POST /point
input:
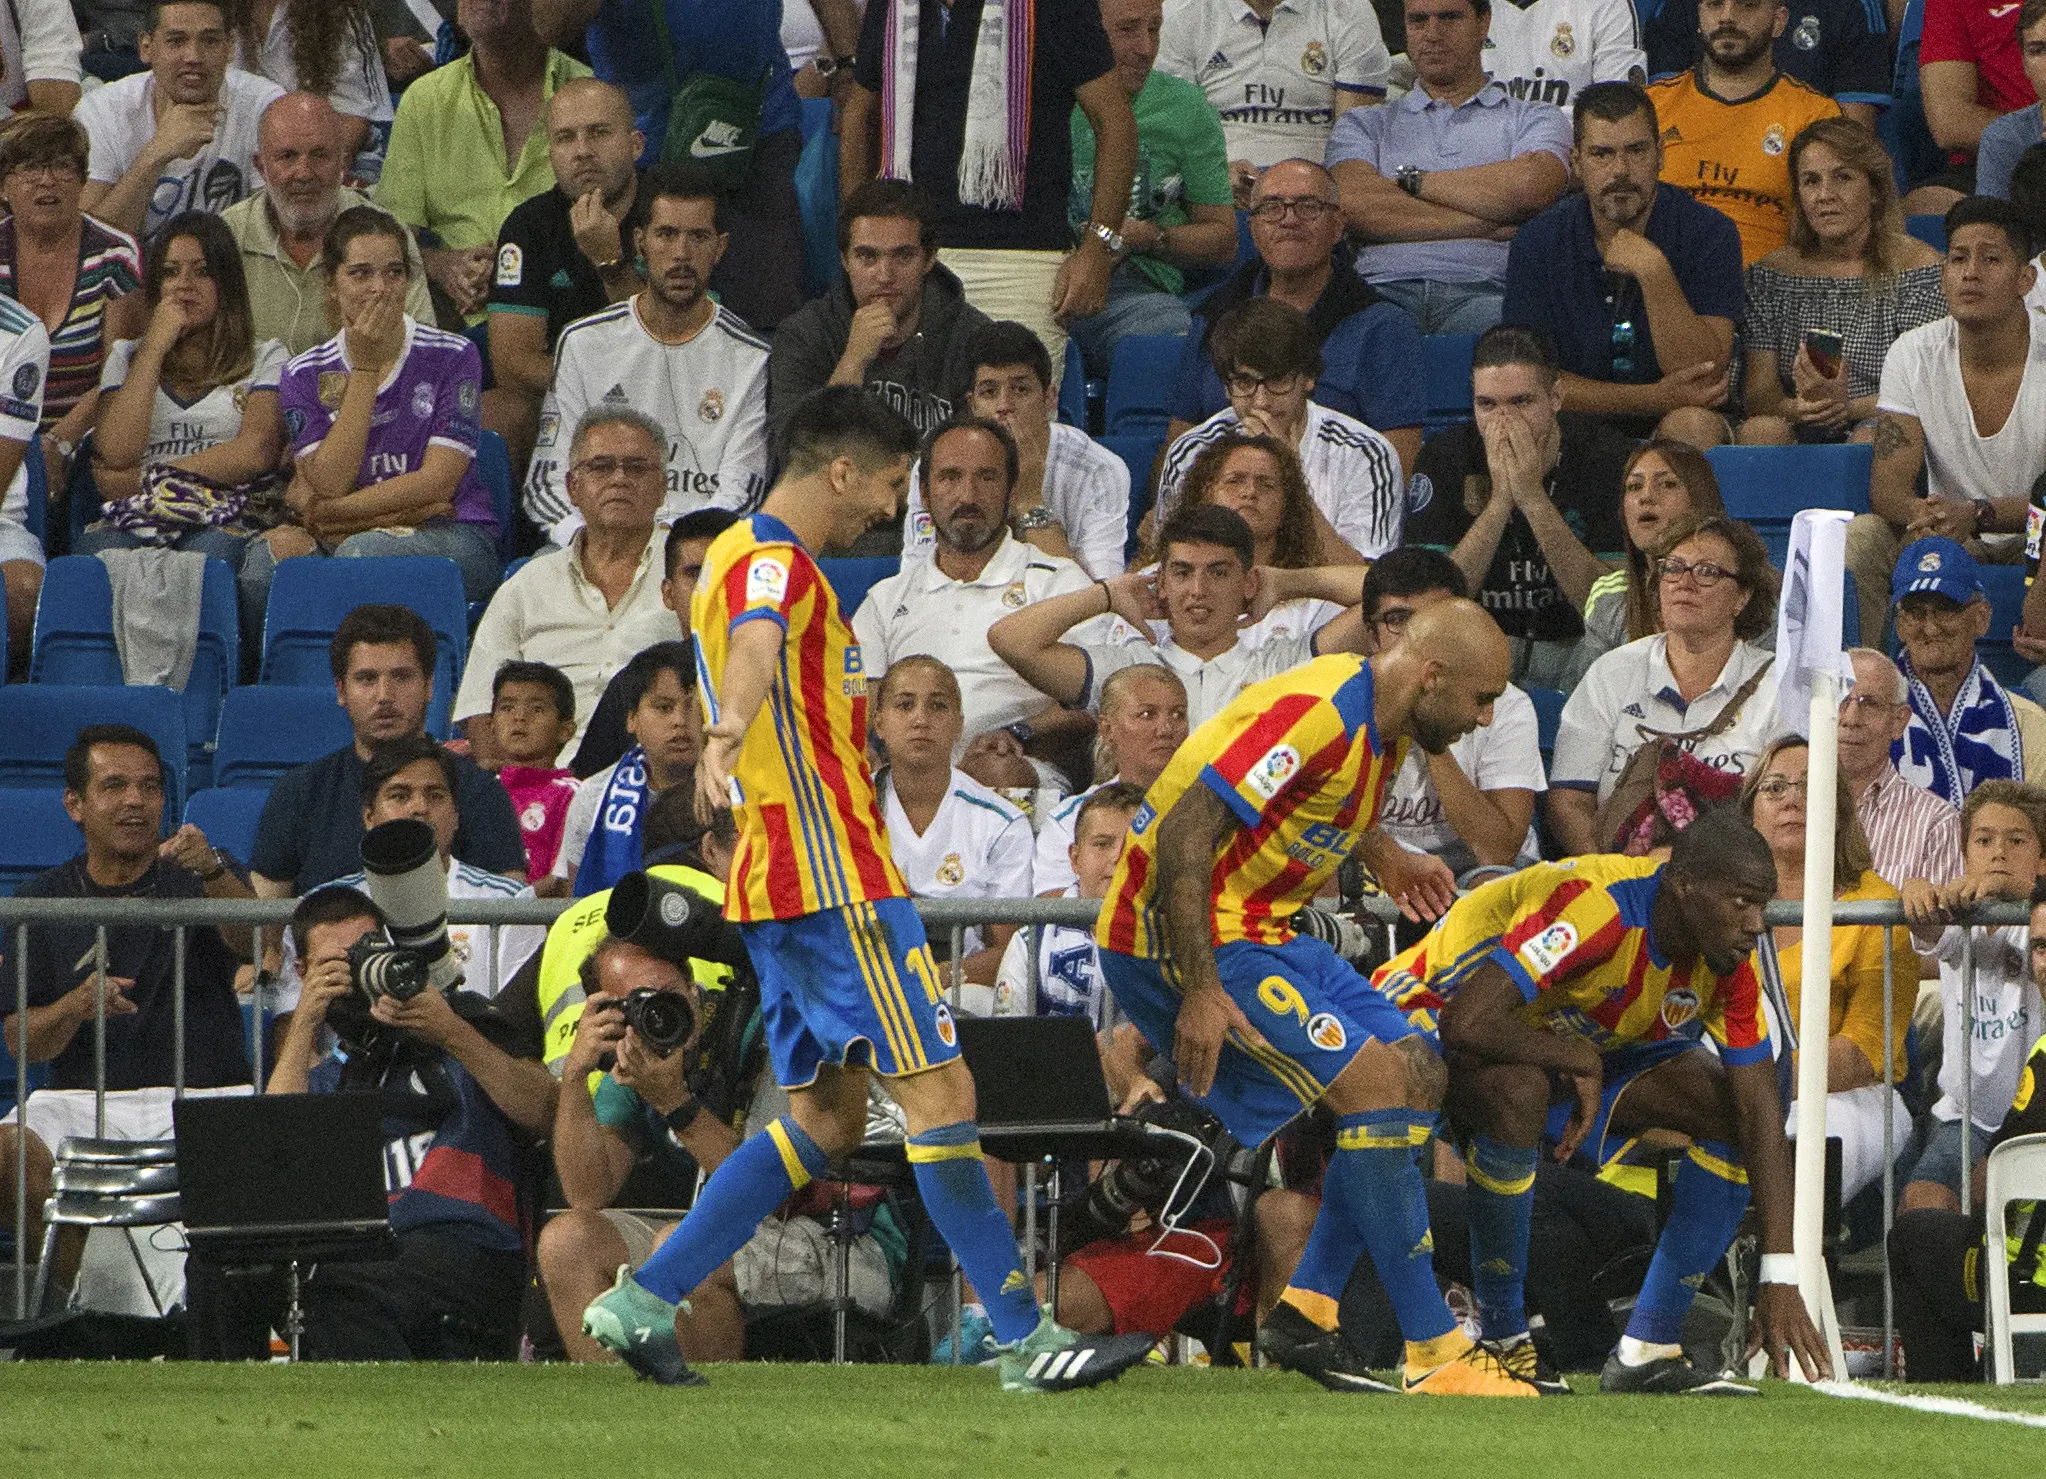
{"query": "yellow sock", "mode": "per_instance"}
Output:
(1318, 1307)
(1426, 1355)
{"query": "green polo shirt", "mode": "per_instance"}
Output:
(287, 301)
(1181, 161)
(444, 171)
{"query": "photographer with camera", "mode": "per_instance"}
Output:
(460, 1118)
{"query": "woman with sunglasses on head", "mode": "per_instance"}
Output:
(1701, 681)
(1774, 798)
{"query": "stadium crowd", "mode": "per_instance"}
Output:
(538, 294)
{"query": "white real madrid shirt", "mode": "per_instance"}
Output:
(1069, 979)
(978, 846)
(1353, 475)
(180, 430)
(1274, 83)
(1210, 682)
(1086, 488)
(922, 610)
(1504, 755)
(24, 366)
(1548, 51)
(709, 393)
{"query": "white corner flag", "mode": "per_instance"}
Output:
(1812, 675)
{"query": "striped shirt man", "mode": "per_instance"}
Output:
(810, 830)
(1353, 475)
(1911, 832)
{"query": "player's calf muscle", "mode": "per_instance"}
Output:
(1384, 1076)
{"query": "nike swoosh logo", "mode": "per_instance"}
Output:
(696, 146)
(1998, 12)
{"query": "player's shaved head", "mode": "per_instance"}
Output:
(1447, 671)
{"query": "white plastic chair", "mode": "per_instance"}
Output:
(2016, 1172)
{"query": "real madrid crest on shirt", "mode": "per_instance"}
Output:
(711, 407)
(333, 385)
(1773, 142)
(1806, 36)
(952, 870)
(422, 398)
(1314, 60)
(1563, 42)
(1015, 597)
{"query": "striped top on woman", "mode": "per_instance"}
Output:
(109, 267)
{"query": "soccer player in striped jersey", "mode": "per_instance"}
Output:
(1255, 812)
(847, 984)
(1598, 975)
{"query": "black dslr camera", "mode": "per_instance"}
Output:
(662, 1020)
(379, 968)
(1166, 1180)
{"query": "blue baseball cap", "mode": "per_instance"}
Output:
(1939, 567)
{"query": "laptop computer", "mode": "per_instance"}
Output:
(275, 1177)
(1039, 1089)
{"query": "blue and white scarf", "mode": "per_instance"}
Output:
(613, 849)
(1950, 754)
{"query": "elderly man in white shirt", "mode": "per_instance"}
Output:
(1072, 496)
(1206, 584)
(588, 608)
(943, 606)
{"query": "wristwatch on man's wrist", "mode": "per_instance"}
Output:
(1985, 513)
(1408, 178)
(1039, 517)
(1108, 236)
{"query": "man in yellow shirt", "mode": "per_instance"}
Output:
(1727, 124)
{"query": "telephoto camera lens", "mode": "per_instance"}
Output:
(382, 969)
(661, 1019)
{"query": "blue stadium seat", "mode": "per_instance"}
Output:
(1139, 379)
(1446, 379)
(2005, 586)
(1073, 388)
(817, 197)
(851, 578)
(1932, 230)
(1548, 707)
(35, 833)
(309, 598)
(228, 817)
(493, 465)
(40, 720)
(266, 729)
(1766, 486)
(1138, 450)
(74, 643)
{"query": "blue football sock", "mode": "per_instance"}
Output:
(956, 1192)
(753, 1180)
(1333, 1247)
(1501, 1199)
(1710, 1194)
(1373, 1178)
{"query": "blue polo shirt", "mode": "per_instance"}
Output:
(1369, 348)
(1840, 47)
(726, 37)
(1488, 128)
(1557, 282)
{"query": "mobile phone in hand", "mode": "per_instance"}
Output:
(1825, 348)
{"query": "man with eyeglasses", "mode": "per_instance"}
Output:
(1437, 183)
(1522, 498)
(1965, 726)
(671, 352)
(1638, 285)
(1369, 345)
(588, 608)
(1911, 832)
(897, 323)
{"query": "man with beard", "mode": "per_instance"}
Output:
(301, 159)
(1247, 824)
(977, 573)
(1730, 120)
(1637, 284)
(670, 352)
(181, 136)
(562, 255)
(1570, 999)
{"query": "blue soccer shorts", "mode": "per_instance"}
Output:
(1622, 1067)
(1313, 1010)
(854, 985)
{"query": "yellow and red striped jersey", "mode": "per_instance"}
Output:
(809, 818)
(1574, 937)
(1296, 758)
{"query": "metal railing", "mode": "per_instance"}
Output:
(955, 916)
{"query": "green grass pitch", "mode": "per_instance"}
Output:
(165, 1421)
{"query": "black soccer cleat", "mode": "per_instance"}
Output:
(1290, 1340)
(1670, 1376)
(1052, 1358)
(1519, 1355)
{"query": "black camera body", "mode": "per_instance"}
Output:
(663, 1020)
(379, 968)
(1152, 1183)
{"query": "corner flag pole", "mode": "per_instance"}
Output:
(1809, 646)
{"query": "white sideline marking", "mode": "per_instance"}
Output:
(1945, 1406)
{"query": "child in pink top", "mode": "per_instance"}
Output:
(532, 712)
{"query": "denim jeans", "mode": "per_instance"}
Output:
(1447, 307)
(473, 550)
(1136, 305)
